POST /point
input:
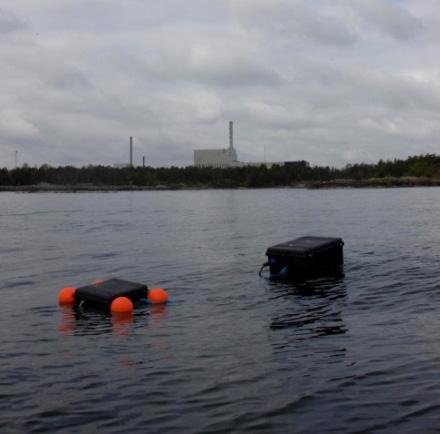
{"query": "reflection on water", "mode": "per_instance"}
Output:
(231, 352)
(122, 324)
(76, 322)
(80, 321)
(157, 314)
(85, 322)
(67, 321)
(312, 307)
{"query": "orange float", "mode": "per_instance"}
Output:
(157, 295)
(121, 305)
(67, 295)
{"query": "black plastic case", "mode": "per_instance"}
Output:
(306, 256)
(102, 294)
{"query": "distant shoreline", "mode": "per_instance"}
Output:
(387, 182)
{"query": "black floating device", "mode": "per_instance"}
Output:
(305, 257)
(100, 295)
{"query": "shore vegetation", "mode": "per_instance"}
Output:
(414, 171)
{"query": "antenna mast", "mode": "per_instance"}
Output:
(231, 135)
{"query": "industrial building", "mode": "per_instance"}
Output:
(218, 157)
(224, 158)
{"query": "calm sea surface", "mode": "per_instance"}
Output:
(230, 352)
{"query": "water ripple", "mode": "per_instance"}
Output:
(230, 352)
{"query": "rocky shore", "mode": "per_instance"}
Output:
(387, 182)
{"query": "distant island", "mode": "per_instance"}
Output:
(422, 170)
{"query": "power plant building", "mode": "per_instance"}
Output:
(224, 158)
(218, 157)
(215, 157)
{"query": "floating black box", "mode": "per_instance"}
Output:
(102, 294)
(305, 256)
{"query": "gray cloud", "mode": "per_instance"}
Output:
(296, 19)
(390, 19)
(215, 61)
(9, 22)
(329, 81)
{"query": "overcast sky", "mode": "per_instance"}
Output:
(327, 81)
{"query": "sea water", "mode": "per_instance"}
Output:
(230, 352)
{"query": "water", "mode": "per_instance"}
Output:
(230, 352)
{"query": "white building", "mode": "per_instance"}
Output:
(218, 157)
(215, 158)
(227, 157)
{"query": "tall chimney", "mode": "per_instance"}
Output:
(231, 135)
(131, 151)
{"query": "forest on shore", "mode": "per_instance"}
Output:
(415, 170)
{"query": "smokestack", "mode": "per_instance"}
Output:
(131, 151)
(231, 135)
(143, 161)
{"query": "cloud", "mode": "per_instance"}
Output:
(13, 124)
(296, 19)
(9, 22)
(200, 54)
(329, 81)
(390, 19)
(210, 64)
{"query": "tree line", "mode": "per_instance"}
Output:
(426, 166)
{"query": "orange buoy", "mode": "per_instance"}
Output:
(67, 295)
(157, 295)
(121, 305)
